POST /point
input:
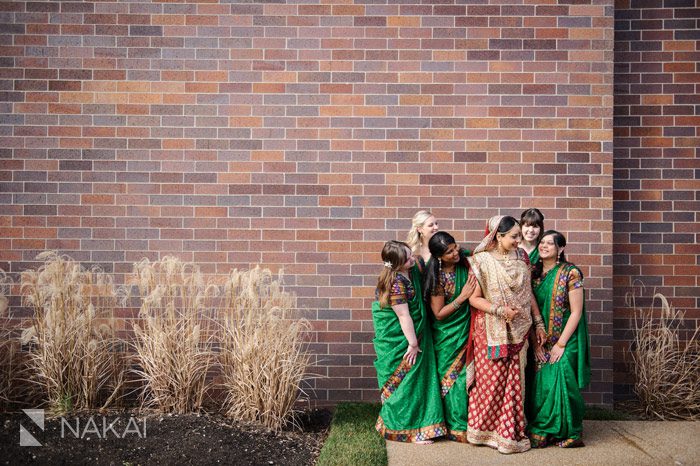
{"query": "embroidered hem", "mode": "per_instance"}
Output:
(571, 443)
(542, 441)
(453, 372)
(395, 380)
(411, 435)
(493, 440)
(538, 441)
(457, 435)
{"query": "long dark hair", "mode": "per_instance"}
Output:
(394, 255)
(438, 245)
(560, 242)
(533, 216)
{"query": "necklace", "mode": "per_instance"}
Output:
(505, 256)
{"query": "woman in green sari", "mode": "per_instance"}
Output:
(554, 405)
(410, 393)
(532, 227)
(447, 289)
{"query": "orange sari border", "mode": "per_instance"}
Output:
(395, 380)
(457, 435)
(449, 379)
(411, 435)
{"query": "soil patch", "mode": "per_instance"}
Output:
(131, 439)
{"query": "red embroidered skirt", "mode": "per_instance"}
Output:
(496, 402)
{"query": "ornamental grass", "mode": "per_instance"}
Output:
(73, 354)
(10, 367)
(263, 358)
(174, 338)
(667, 370)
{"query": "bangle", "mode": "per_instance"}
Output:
(496, 310)
(455, 305)
(558, 343)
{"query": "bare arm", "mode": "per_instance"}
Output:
(442, 310)
(537, 321)
(408, 330)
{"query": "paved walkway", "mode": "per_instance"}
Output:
(618, 443)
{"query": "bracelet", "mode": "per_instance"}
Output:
(497, 310)
(558, 343)
(455, 305)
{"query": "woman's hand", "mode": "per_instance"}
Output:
(509, 313)
(541, 337)
(555, 354)
(468, 287)
(412, 354)
(540, 354)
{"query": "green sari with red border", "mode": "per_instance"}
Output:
(555, 406)
(451, 338)
(410, 394)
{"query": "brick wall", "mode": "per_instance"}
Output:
(303, 136)
(656, 188)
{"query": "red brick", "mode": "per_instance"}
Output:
(252, 156)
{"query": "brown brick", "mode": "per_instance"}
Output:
(237, 133)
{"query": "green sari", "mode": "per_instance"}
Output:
(411, 406)
(555, 405)
(450, 337)
(534, 255)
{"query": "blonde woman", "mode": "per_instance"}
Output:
(423, 227)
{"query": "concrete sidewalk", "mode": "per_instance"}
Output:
(618, 443)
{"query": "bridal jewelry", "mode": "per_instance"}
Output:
(506, 257)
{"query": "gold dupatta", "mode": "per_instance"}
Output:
(504, 283)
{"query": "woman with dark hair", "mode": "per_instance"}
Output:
(555, 406)
(503, 311)
(410, 395)
(447, 286)
(532, 227)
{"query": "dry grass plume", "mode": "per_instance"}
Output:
(10, 367)
(73, 354)
(667, 371)
(173, 341)
(262, 356)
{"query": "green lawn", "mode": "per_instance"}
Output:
(352, 439)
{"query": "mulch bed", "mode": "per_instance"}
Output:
(167, 440)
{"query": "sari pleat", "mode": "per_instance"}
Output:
(555, 406)
(411, 406)
(451, 337)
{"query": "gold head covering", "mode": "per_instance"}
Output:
(503, 284)
(491, 227)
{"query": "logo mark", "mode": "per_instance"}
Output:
(25, 438)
